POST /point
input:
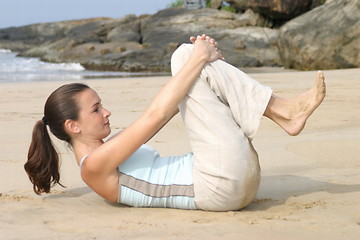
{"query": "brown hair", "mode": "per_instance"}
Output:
(43, 162)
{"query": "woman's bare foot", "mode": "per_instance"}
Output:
(291, 114)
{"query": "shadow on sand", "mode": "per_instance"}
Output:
(275, 190)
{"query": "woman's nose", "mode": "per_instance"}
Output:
(107, 113)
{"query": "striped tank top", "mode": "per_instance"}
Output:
(148, 180)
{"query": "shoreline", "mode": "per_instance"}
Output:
(310, 187)
(97, 75)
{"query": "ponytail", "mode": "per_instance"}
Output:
(42, 165)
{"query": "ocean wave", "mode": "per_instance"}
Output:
(61, 67)
(25, 69)
(9, 63)
(4, 51)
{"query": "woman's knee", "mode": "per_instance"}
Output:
(180, 57)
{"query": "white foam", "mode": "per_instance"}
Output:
(11, 63)
(4, 51)
(24, 69)
(13, 69)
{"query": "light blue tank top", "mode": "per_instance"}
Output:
(148, 180)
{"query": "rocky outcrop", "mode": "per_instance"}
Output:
(163, 32)
(23, 38)
(326, 38)
(146, 43)
(320, 39)
(216, 4)
(274, 9)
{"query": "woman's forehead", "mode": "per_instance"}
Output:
(88, 97)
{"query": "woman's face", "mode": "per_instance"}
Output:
(93, 119)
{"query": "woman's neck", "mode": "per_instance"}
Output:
(82, 148)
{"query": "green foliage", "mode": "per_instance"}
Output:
(228, 8)
(224, 6)
(177, 3)
(208, 3)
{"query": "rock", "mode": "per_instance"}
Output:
(22, 38)
(274, 9)
(216, 4)
(327, 37)
(123, 29)
(90, 40)
(179, 24)
(226, 27)
(240, 5)
(250, 46)
(148, 60)
(317, 3)
(255, 19)
(163, 32)
(145, 43)
(320, 39)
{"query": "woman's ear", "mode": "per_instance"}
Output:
(71, 126)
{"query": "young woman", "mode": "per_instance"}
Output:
(221, 108)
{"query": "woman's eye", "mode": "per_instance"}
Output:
(97, 109)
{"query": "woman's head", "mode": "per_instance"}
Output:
(42, 166)
(92, 122)
(63, 105)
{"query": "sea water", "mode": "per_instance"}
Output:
(24, 69)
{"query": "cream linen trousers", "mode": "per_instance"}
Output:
(222, 112)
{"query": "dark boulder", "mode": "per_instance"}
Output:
(274, 9)
(327, 37)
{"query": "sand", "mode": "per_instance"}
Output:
(310, 185)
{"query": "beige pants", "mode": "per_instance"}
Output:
(222, 112)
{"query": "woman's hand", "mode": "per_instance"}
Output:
(207, 47)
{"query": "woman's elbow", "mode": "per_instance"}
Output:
(159, 115)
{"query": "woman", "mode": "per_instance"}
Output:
(221, 108)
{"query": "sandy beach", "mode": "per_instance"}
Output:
(310, 186)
